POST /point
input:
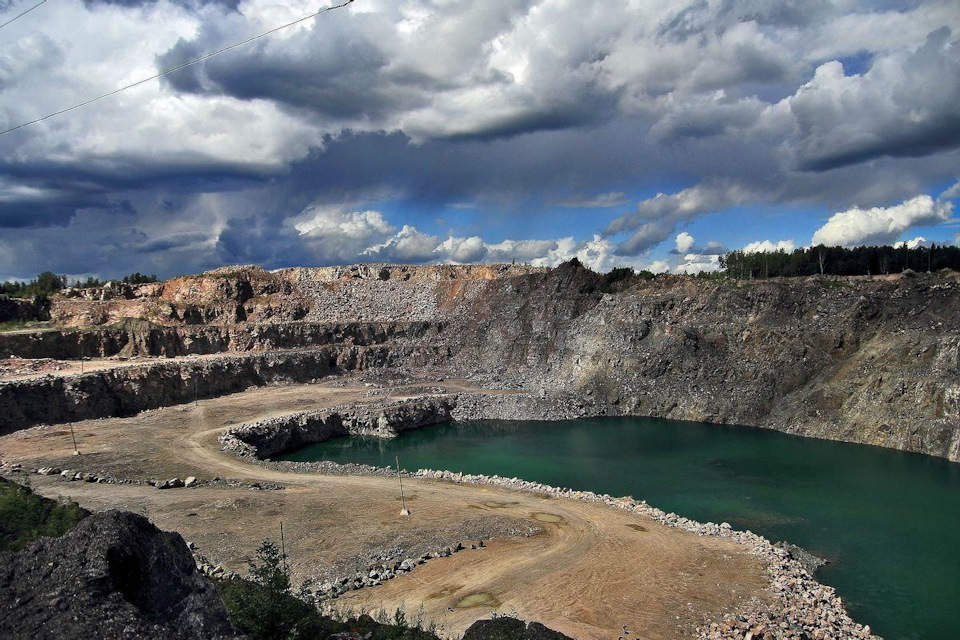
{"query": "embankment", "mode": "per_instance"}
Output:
(266, 438)
(129, 390)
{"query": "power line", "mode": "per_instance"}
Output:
(176, 68)
(20, 15)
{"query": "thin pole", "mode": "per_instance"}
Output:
(76, 451)
(403, 501)
(283, 550)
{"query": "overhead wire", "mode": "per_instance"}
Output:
(20, 15)
(176, 68)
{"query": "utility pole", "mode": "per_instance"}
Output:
(283, 551)
(76, 451)
(403, 501)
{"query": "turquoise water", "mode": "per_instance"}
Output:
(888, 521)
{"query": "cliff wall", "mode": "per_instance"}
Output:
(869, 360)
(139, 338)
(129, 390)
(873, 361)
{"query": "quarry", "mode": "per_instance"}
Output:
(171, 400)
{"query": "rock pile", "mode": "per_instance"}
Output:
(101, 477)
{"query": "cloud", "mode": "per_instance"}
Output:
(335, 234)
(694, 263)
(919, 241)
(766, 246)
(905, 105)
(683, 242)
(952, 192)
(656, 218)
(508, 106)
(601, 201)
(880, 225)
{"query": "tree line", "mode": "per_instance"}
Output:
(48, 283)
(839, 261)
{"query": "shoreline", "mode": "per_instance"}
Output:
(803, 605)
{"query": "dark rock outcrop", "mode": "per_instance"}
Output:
(511, 629)
(21, 309)
(266, 438)
(114, 575)
(131, 338)
(873, 360)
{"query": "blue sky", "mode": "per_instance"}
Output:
(650, 134)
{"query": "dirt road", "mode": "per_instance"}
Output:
(588, 570)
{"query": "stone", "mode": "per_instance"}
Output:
(90, 565)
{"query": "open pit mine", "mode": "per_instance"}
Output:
(173, 400)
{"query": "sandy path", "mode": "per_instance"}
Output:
(589, 573)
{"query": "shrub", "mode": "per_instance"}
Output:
(25, 516)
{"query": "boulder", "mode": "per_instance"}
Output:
(511, 629)
(114, 575)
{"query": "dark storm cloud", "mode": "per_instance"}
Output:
(501, 103)
(905, 105)
(258, 239)
(166, 243)
(331, 74)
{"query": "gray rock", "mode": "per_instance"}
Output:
(112, 576)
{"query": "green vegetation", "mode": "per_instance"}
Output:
(25, 516)
(619, 279)
(15, 325)
(839, 261)
(264, 607)
(48, 283)
(43, 285)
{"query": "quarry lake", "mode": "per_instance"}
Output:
(888, 521)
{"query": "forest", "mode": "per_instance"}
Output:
(840, 261)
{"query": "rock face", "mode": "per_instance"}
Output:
(511, 629)
(114, 575)
(266, 438)
(869, 360)
(131, 338)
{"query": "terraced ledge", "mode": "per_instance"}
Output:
(266, 438)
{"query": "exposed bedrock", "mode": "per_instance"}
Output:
(867, 360)
(874, 361)
(114, 575)
(269, 437)
(129, 390)
(131, 338)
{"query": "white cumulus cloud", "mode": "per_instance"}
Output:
(881, 225)
(683, 242)
(766, 246)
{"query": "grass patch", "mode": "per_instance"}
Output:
(14, 325)
(25, 516)
(264, 607)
